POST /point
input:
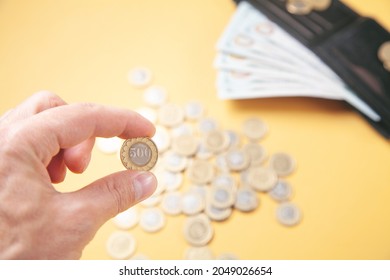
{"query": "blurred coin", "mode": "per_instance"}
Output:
(282, 163)
(140, 257)
(127, 219)
(170, 115)
(281, 192)
(255, 152)
(254, 129)
(185, 145)
(321, 5)
(202, 190)
(155, 96)
(108, 145)
(174, 162)
(152, 219)
(139, 76)
(147, 113)
(182, 129)
(151, 201)
(227, 256)
(221, 163)
(171, 203)
(120, 245)
(384, 52)
(225, 180)
(234, 139)
(206, 125)
(246, 200)
(161, 138)
(198, 230)
(194, 110)
(288, 214)
(217, 214)
(216, 141)
(299, 7)
(203, 152)
(199, 253)
(139, 154)
(261, 178)
(192, 203)
(200, 171)
(222, 196)
(172, 180)
(237, 160)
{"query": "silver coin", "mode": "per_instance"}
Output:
(288, 214)
(246, 200)
(281, 192)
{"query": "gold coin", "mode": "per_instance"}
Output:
(200, 171)
(299, 7)
(254, 129)
(222, 196)
(384, 52)
(237, 160)
(288, 214)
(282, 163)
(185, 145)
(246, 200)
(216, 141)
(198, 230)
(262, 179)
(321, 5)
(139, 154)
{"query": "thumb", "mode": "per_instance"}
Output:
(108, 196)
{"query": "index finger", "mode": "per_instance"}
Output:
(66, 126)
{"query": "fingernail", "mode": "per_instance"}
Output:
(144, 185)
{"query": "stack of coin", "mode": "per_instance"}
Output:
(204, 172)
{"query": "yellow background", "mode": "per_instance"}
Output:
(83, 50)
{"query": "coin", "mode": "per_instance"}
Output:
(255, 152)
(200, 171)
(139, 76)
(225, 180)
(222, 196)
(172, 180)
(198, 230)
(288, 214)
(174, 162)
(237, 160)
(281, 192)
(217, 214)
(299, 7)
(120, 245)
(151, 201)
(155, 96)
(171, 203)
(216, 141)
(152, 219)
(194, 110)
(185, 145)
(246, 200)
(221, 163)
(321, 5)
(192, 203)
(127, 219)
(282, 163)
(199, 253)
(203, 152)
(162, 138)
(261, 178)
(108, 145)
(254, 129)
(384, 52)
(139, 154)
(234, 139)
(147, 113)
(170, 115)
(227, 256)
(182, 129)
(206, 125)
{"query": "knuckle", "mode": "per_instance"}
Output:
(121, 196)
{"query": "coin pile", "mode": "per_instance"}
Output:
(204, 172)
(304, 7)
(384, 55)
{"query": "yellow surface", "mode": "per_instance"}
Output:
(82, 50)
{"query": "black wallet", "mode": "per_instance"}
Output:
(348, 43)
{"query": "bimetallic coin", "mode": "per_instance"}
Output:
(139, 77)
(254, 129)
(155, 96)
(140, 257)
(200, 171)
(192, 203)
(206, 125)
(255, 152)
(262, 179)
(321, 5)
(384, 52)
(299, 7)
(120, 245)
(171, 203)
(237, 160)
(139, 154)
(162, 138)
(225, 180)
(170, 115)
(227, 256)
(148, 113)
(182, 129)
(174, 162)
(172, 180)
(282, 163)
(288, 214)
(151, 201)
(222, 196)
(203, 152)
(194, 110)
(217, 214)
(127, 219)
(152, 219)
(234, 139)
(216, 141)
(221, 163)
(281, 192)
(108, 145)
(199, 253)
(185, 145)
(198, 230)
(246, 200)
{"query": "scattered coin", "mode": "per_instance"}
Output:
(198, 230)
(127, 219)
(255, 152)
(147, 113)
(120, 245)
(281, 192)
(282, 163)
(254, 129)
(185, 145)
(170, 115)
(222, 196)
(139, 76)
(237, 160)
(108, 145)
(192, 203)
(262, 179)
(199, 253)
(221, 163)
(200, 171)
(203, 152)
(151, 201)
(299, 7)
(139, 154)
(217, 214)
(225, 180)
(207, 124)
(142, 257)
(155, 96)
(288, 214)
(234, 139)
(174, 162)
(162, 138)
(172, 180)
(194, 110)
(246, 200)
(216, 141)
(227, 256)
(171, 203)
(182, 129)
(152, 219)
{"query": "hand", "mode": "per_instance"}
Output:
(39, 140)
